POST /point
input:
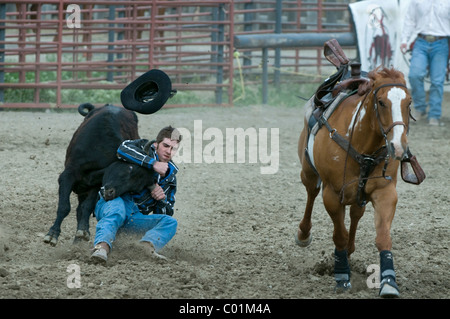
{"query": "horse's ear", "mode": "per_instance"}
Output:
(365, 87)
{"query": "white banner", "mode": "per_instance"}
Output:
(379, 25)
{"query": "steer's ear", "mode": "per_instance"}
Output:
(148, 93)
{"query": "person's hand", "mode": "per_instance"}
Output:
(160, 168)
(403, 48)
(158, 193)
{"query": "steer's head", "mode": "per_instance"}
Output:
(122, 177)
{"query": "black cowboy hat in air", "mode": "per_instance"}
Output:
(148, 93)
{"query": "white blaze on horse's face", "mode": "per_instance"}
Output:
(396, 95)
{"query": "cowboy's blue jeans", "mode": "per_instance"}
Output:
(432, 57)
(122, 213)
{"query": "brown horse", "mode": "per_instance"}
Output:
(355, 155)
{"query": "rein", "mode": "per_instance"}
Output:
(367, 163)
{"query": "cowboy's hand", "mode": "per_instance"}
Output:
(160, 168)
(158, 193)
(403, 48)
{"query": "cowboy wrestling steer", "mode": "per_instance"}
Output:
(92, 149)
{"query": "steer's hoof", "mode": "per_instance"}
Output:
(81, 235)
(49, 239)
(303, 242)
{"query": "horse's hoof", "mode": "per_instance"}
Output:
(342, 286)
(49, 239)
(389, 289)
(304, 242)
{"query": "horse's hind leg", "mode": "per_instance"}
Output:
(312, 185)
(356, 212)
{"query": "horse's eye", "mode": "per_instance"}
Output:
(381, 103)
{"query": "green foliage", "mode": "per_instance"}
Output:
(289, 93)
(74, 96)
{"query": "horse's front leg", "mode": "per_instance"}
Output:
(340, 237)
(384, 204)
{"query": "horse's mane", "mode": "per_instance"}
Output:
(379, 73)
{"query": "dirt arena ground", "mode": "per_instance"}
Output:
(236, 226)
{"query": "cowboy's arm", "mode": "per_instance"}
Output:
(409, 27)
(133, 151)
(166, 205)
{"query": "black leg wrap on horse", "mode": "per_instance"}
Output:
(387, 274)
(341, 269)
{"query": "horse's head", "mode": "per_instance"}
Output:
(391, 102)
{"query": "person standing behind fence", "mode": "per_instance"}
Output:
(427, 22)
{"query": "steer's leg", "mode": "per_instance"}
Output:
(66, 181)
(85, 208)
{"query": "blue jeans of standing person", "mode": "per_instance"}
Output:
(122, 213)
(432, 57)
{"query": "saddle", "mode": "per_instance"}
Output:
(340, 81)
(338, 86)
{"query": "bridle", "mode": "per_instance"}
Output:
(375, 106)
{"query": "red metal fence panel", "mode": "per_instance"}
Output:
(54, 53)
(43, 50)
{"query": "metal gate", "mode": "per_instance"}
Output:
(52, 49)
(60, 53)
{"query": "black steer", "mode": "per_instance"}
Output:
(92, 149)
(122, 177)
